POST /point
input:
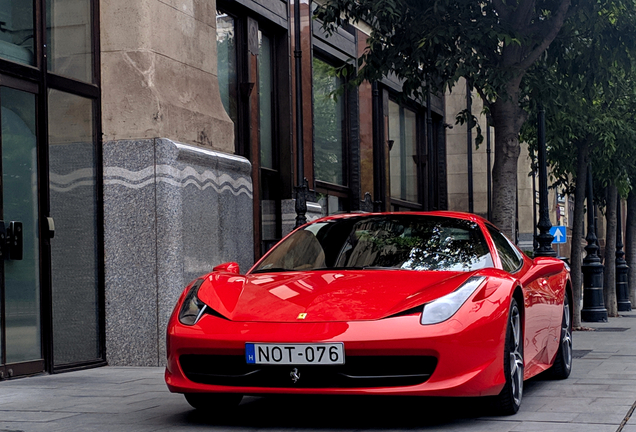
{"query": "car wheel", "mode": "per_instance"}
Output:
(563, 362)
(213, 401)
(509, 400)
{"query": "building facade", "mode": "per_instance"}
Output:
(145, 142)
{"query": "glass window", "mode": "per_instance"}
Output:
(227, 65)
(74, 256)
(405, 242)
(511, 259)
(329, 149)
(69, 38)
(20, 204)
(16, 31)
(331, 204)
(403, 152)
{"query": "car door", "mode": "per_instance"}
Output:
(536, 310)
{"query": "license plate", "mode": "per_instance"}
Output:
(295, 354)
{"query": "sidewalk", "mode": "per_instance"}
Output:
(599, 396)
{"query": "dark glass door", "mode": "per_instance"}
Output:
(75, 250)
(20, 327)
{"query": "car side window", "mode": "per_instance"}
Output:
(511, 260)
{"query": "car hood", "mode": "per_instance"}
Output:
(324, 295)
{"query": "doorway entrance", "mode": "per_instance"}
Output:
(20, 326)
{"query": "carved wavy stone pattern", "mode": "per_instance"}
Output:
(72, 180)
(176, 177)
(172, 212)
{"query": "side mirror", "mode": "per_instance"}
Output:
(229, 267)
(546, 267)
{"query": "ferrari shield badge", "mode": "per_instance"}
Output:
(301, 316)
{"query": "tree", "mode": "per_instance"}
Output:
(431, 44)
(585, 81)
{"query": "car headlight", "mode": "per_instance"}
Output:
(192, 308)
(445, 307)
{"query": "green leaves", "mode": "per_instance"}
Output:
(586, 82)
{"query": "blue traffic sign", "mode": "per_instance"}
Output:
(558, 232)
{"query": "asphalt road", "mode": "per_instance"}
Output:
(599, 396)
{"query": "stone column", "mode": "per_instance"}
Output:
(177, 201)
(159, 73)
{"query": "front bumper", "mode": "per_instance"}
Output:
(467, 353)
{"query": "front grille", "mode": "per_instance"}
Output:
(357, 372)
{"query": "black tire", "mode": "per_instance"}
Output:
(216, 402)
(562, 365)
(509, 400)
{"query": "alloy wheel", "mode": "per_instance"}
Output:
(516, 356)
(566, 334)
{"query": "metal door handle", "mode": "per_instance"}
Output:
(51, 224)
(11, 241)
(15, 240)
(4, 246)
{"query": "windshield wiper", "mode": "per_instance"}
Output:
(381, 268)
(272, 270)
(357, 268)
(281, 269)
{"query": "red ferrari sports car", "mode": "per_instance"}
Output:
(432, 304)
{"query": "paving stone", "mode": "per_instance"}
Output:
(561, 427)
(596, 398)
(557, 417)
(32, 416)
(602, 406)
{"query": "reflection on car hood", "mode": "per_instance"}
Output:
(324, 295)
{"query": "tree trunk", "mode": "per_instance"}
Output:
(630, 245)
(609, 275)
(577, 234)
(507, 119)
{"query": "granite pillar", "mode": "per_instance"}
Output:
(171, 212)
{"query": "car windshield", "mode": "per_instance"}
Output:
(407, 242)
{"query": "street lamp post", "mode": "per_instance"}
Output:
(488, 170)
(544, 239)
(622, 289)
(301, 188)
(593, 305)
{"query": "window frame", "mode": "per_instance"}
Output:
(45, 80)
(324, 187)
(495, 233)
(247, 139)
(398, 203)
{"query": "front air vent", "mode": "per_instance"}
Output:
(357, 372)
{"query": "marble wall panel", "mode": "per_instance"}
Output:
(130, 253)
(202, 217)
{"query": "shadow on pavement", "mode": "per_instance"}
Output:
(347, 412)
(342, 412)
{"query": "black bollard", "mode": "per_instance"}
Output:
(622, 289)
(593, 304)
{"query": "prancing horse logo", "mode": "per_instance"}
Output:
(295, 375)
